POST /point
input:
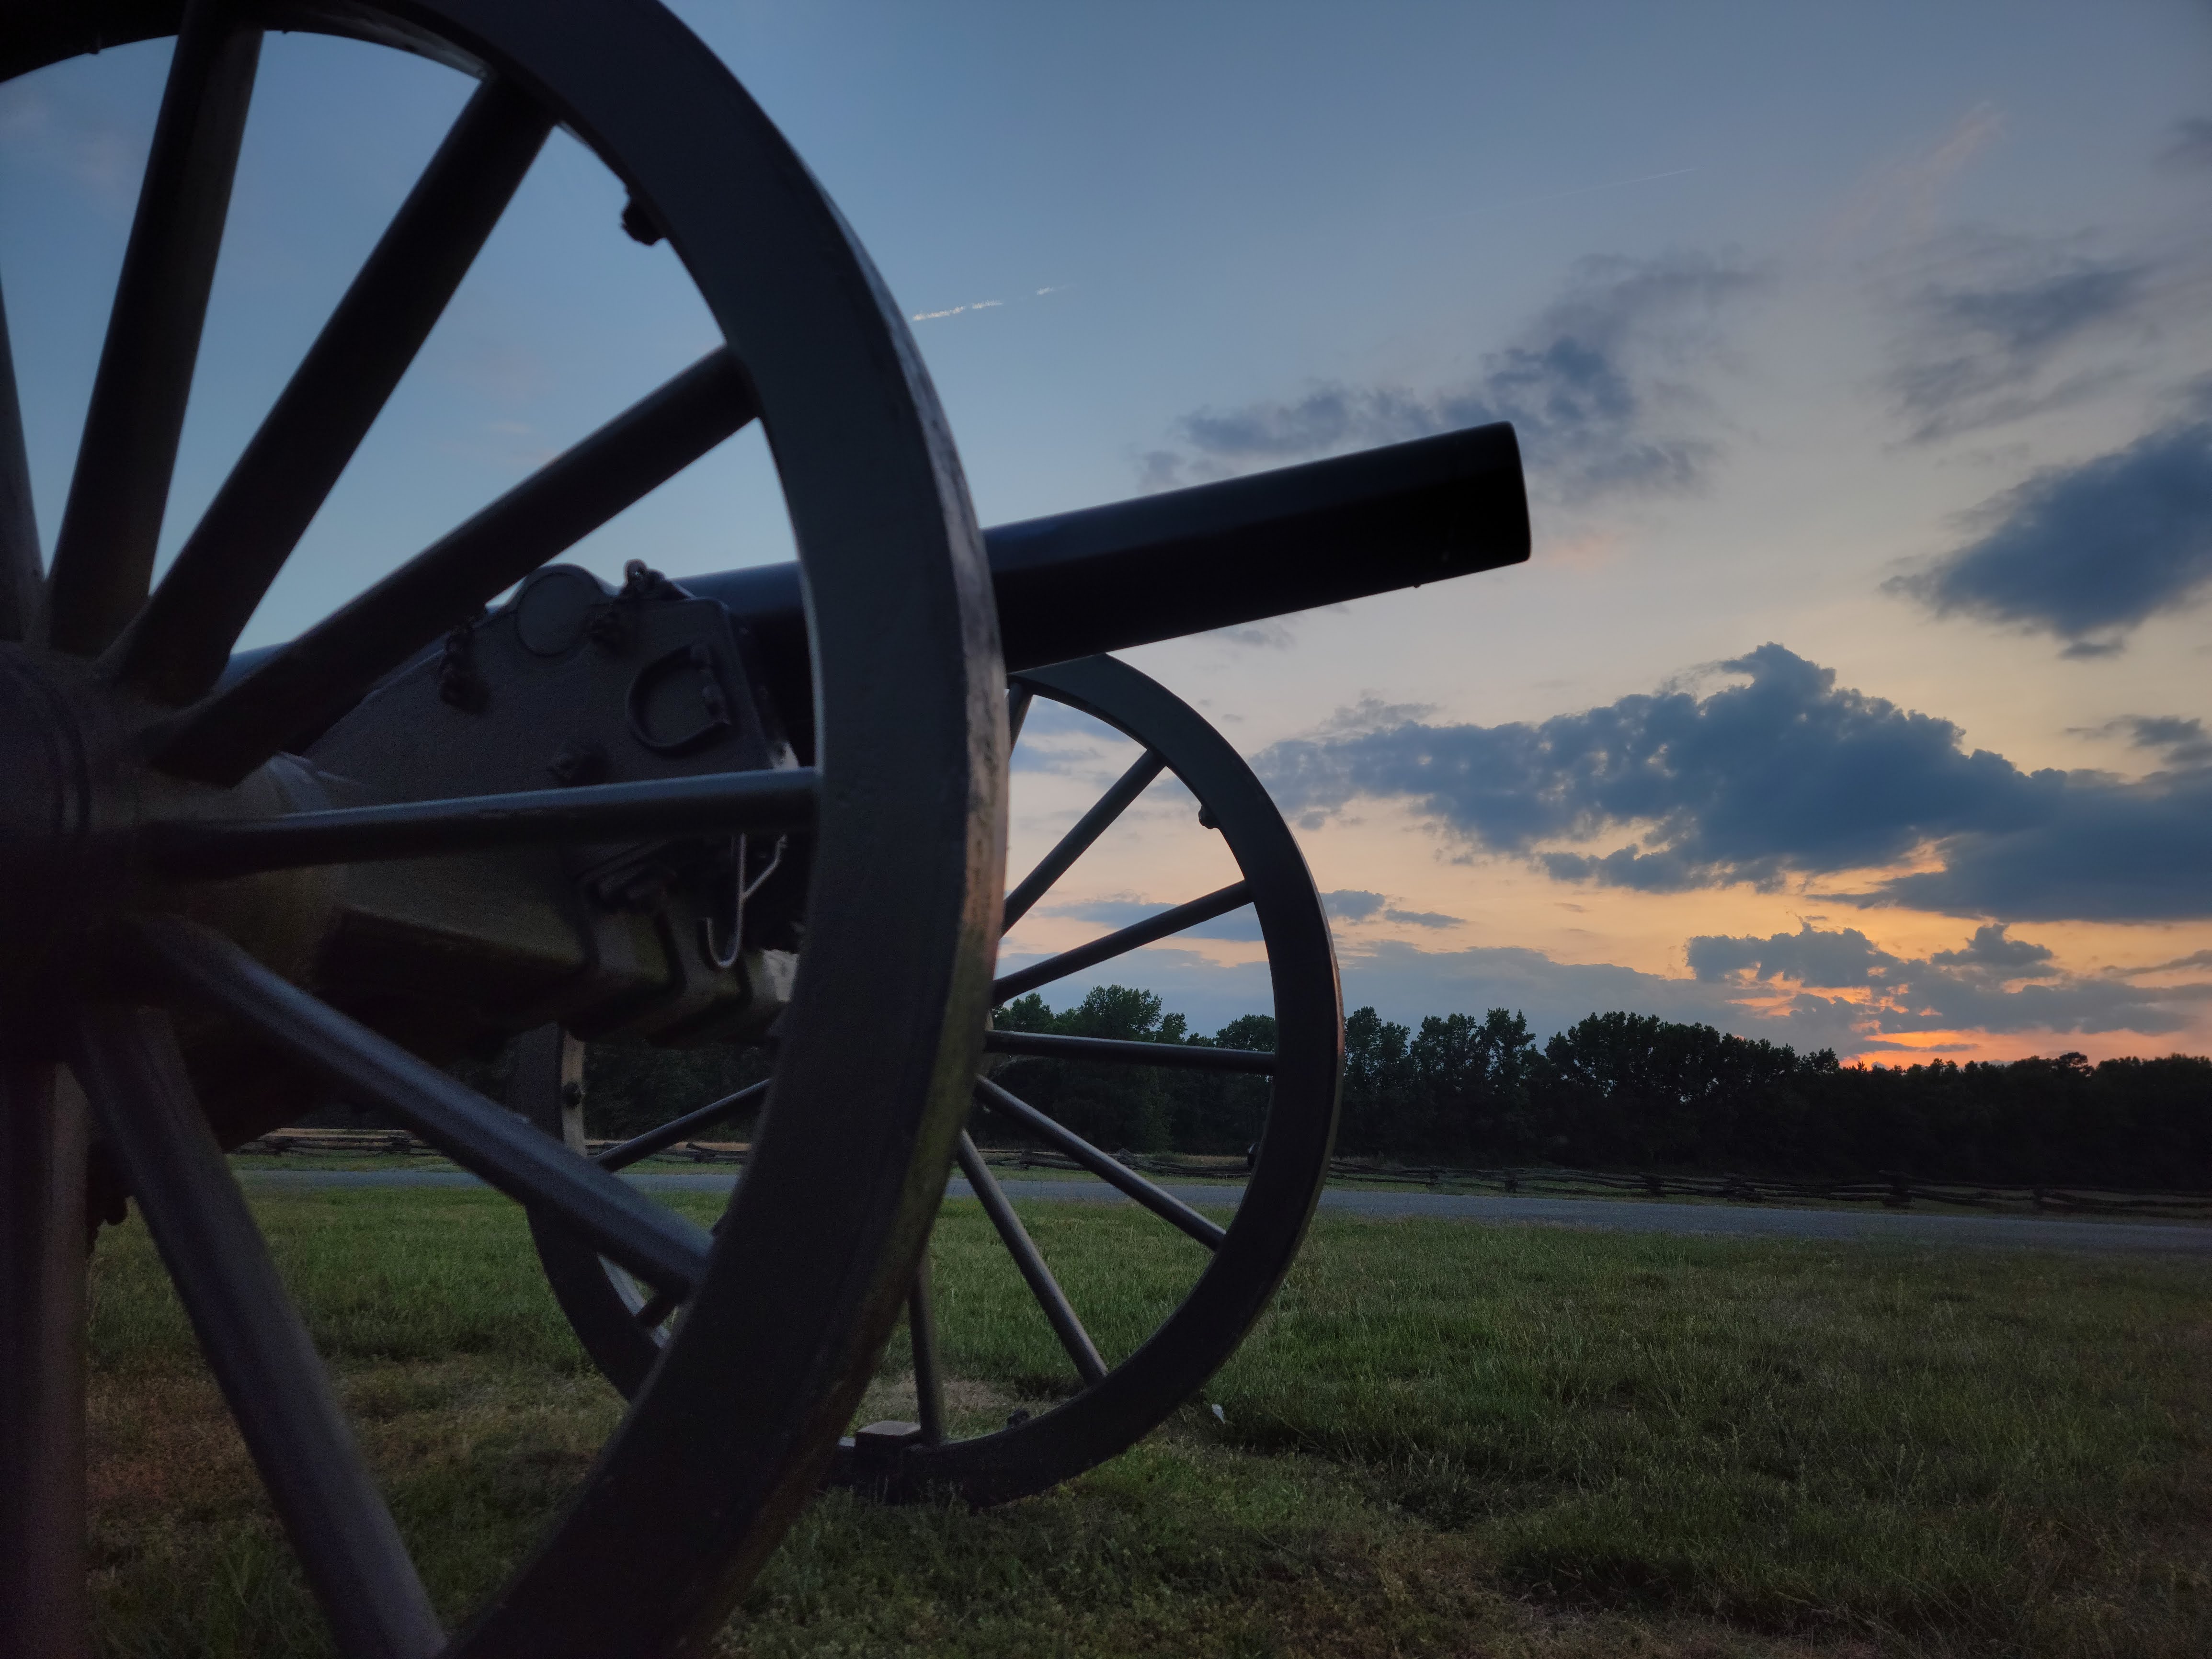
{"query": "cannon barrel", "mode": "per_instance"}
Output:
(1213, 556)
(1216, 554)
(1160, 567)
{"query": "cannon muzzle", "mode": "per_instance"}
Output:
(1160, 567)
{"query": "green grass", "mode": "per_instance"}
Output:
(1446, 1439)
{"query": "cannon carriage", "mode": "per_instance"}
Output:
(765, 806)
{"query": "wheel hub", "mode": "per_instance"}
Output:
(75, 786)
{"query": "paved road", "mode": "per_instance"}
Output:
(1737, 1221)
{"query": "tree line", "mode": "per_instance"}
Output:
(1613, 1091)
(1623, 1091)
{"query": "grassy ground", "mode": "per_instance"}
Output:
(1446, 1439)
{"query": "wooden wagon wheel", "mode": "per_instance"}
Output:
(623, 1323)
(159, 847)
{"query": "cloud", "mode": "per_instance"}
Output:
(1833, 960)
(1988, 338)
(1404, 982)
(2189, 149)
(1373, 715)
(1785, 778)
(1894, 1004)
(1924, 178)
(1273, 634)
(1991, 952)
(1351, 904)
(1907, 194)
(1594, 385)
(2194, 959)
(1748, 784)
(1057, 739)
(1887, 1002)
(2088, 552)
(2092, 849)
(2183, 740)
(1993, 984)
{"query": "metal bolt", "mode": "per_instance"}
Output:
(577, 763)
(637, 220)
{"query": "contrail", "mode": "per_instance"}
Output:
(981, 305)
(973, 305)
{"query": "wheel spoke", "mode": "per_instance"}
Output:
(1072, 845)
(682, 1128)
(718, 803)
(1147, 931)
(22, 579)
(1019, 1245)
(655, 1243)
(1042, 1045)
(176, 647)
(104, 553)
(301, 689)
(255, 1344)
(1018, 699)
(928, 1380)
(42, 1171)
(1161, 1203)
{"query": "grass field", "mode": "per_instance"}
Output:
(1446, 1439)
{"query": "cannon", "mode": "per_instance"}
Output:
(767, 806)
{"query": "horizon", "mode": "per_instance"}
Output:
(1539, 1037)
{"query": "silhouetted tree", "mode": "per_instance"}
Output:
(1614, 1089)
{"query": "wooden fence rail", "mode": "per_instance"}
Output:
(1891, 1189)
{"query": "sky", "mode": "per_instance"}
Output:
(1855, 695)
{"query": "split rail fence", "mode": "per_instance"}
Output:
(1890, 1190)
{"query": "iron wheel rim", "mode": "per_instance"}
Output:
(907, 680)
(1103, 1419)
